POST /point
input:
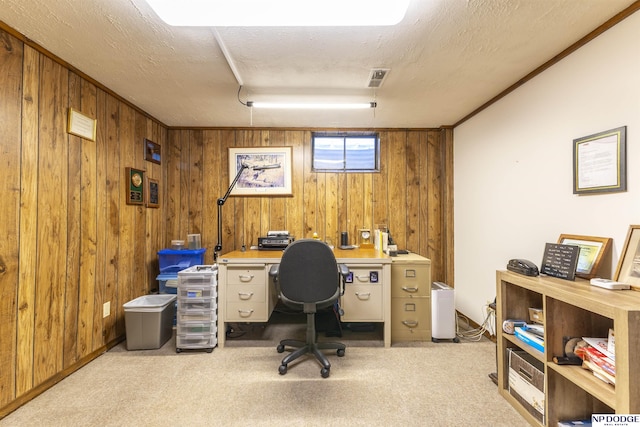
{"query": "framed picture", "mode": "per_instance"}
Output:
(135, 186)
(152, 151)
(599, 162)
(593, 252)
(153, 193)
(80, 125)
(267, 173)
(628, 270)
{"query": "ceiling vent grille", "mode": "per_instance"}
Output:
(377, 76)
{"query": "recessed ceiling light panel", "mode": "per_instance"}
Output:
(279, 13)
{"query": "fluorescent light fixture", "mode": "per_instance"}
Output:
(313, 105)
(279, 13)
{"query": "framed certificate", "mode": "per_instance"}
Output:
(80, 125)
(599, 162)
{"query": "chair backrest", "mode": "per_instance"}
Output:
(308, 272)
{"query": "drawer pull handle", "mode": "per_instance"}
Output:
(363, 295)
(407, 289)
(246, 277)
(363, 277)
(245, 313)
(410, 323)
(245, 295)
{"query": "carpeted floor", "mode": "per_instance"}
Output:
(430, 384)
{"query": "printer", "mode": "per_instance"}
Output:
(275, 240)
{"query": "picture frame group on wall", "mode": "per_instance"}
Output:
(628, 270)
(268, 171)
(141, 189)
(594, 251)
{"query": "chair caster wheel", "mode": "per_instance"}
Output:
(280, 349)
(340, 352)
(282, 369)
(325, 372)
(456, 340)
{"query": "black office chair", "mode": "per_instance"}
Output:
(309, 278)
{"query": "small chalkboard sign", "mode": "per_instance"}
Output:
(560, 260)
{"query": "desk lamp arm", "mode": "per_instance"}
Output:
(221, 202)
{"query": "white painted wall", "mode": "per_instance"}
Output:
(513, 164)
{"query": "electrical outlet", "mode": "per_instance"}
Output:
(106, 309)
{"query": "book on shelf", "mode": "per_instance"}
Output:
(534, 328)
(529, 338)
(605, 363)
(598, 372)
(602, 344)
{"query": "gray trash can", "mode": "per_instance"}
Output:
(149, 321)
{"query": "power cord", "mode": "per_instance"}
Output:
(476, 334)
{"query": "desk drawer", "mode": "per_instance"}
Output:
(246, 276)
(410, 319)
(246, 293)
(366, 275)
(362, 303)
(246, 312)
(410, 280)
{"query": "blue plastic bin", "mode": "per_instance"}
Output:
(168, 283)
(174, 260)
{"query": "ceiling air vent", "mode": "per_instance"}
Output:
(377, 76)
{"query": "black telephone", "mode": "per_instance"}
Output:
(523, 266)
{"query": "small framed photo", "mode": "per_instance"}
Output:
(152, 151)
(267, 171)
(628, 270)
(153, 193)
(599, 162)
(594, 251)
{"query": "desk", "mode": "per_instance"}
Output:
(245, 293)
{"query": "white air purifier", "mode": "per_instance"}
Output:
(443, 313)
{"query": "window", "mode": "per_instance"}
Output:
(345, 152)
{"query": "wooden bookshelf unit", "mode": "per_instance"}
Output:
(575, 309)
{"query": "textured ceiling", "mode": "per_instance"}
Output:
(447, 58)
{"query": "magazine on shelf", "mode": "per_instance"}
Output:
(602, 344)
(593, 355)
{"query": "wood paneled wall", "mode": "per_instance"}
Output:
(408, 194)
(71, 243)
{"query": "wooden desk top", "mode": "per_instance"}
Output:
(342, 256)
